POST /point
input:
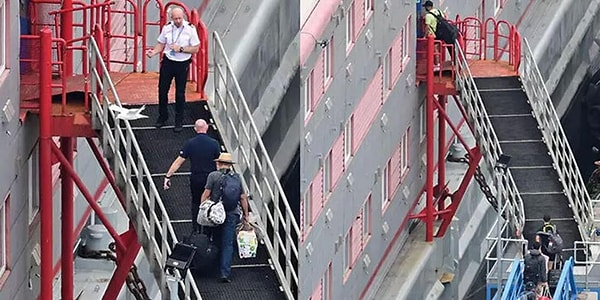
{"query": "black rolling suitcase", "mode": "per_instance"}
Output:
(554, 274)
(207, 254)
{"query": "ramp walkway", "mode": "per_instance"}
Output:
(525, 154)
(532, 169)
(251, 278)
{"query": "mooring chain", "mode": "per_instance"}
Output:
(134, 283)
(481, 181)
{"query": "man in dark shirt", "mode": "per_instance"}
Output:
(534, 272)
(215, 190)
(202, 150)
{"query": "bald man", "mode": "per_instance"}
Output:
(177, 41)
(202, 150)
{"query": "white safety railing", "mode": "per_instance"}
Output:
(511, 207)
(241, 137)
(487, 140)
(144, 205)
(556, 141)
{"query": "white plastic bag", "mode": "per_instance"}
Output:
(211, 213)
(247, 243)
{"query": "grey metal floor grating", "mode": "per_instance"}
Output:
(532, 170)
(256, 280)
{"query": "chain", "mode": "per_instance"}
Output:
(133, 281)
(481, 181)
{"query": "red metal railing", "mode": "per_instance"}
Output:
(101, 15)
(129, 11)
(489, 40)
(56, 66)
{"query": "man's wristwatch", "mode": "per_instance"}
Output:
(181, 49)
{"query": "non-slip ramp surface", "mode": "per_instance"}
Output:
(531, 165)
(251, 278)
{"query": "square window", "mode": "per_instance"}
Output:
(387, 71)
(404, 152)
(307, 203)
(349, 27)
(328, 61)
(384, 186)
(366, 219)
(422, 122)
(368, 8)
(348, 140)
(406, 41)
(347, 251)
(33, 184)
(307, 90)
(326, 284)
(327, 175)
(3, 235)
(3, 38)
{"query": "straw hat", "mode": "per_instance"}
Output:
(225, 157)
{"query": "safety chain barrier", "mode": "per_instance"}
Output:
(558, 146)
(241, 137)
(134, 283)
(481, 181)
(144, 205)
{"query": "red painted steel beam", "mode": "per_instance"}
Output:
(66, 146)
(429, 105)
(45, 167)
(125, 260)
(458, 195)
(89, 197)
(66, 28)
(441, 150)
(107, 172)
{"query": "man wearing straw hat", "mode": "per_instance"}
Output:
(225, 185)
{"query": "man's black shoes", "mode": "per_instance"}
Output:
(159, 124)
(224, 280)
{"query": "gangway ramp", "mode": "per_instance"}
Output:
(251, 278)
(532, 169)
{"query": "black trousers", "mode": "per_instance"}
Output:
(197, 184)
(168, 70)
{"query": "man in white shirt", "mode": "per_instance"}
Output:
(177, 41)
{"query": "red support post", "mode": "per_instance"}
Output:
(90, 198)
(441, 151)
(107, 172)
(429, 105)
(66, 28)
(66, 146)
(45, 164)
(124, 262)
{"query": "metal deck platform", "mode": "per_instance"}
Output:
(251, 278)
(531, 167)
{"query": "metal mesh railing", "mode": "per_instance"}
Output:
(144, 205)
(556, 140)
(242, 138)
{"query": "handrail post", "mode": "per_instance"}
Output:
(66, 28)
(45, 167)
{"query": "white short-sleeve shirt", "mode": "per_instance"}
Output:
(183, 36)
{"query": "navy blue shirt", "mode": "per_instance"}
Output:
(201, 150)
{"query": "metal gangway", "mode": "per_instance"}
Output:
(513, 114)
(241, 137)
